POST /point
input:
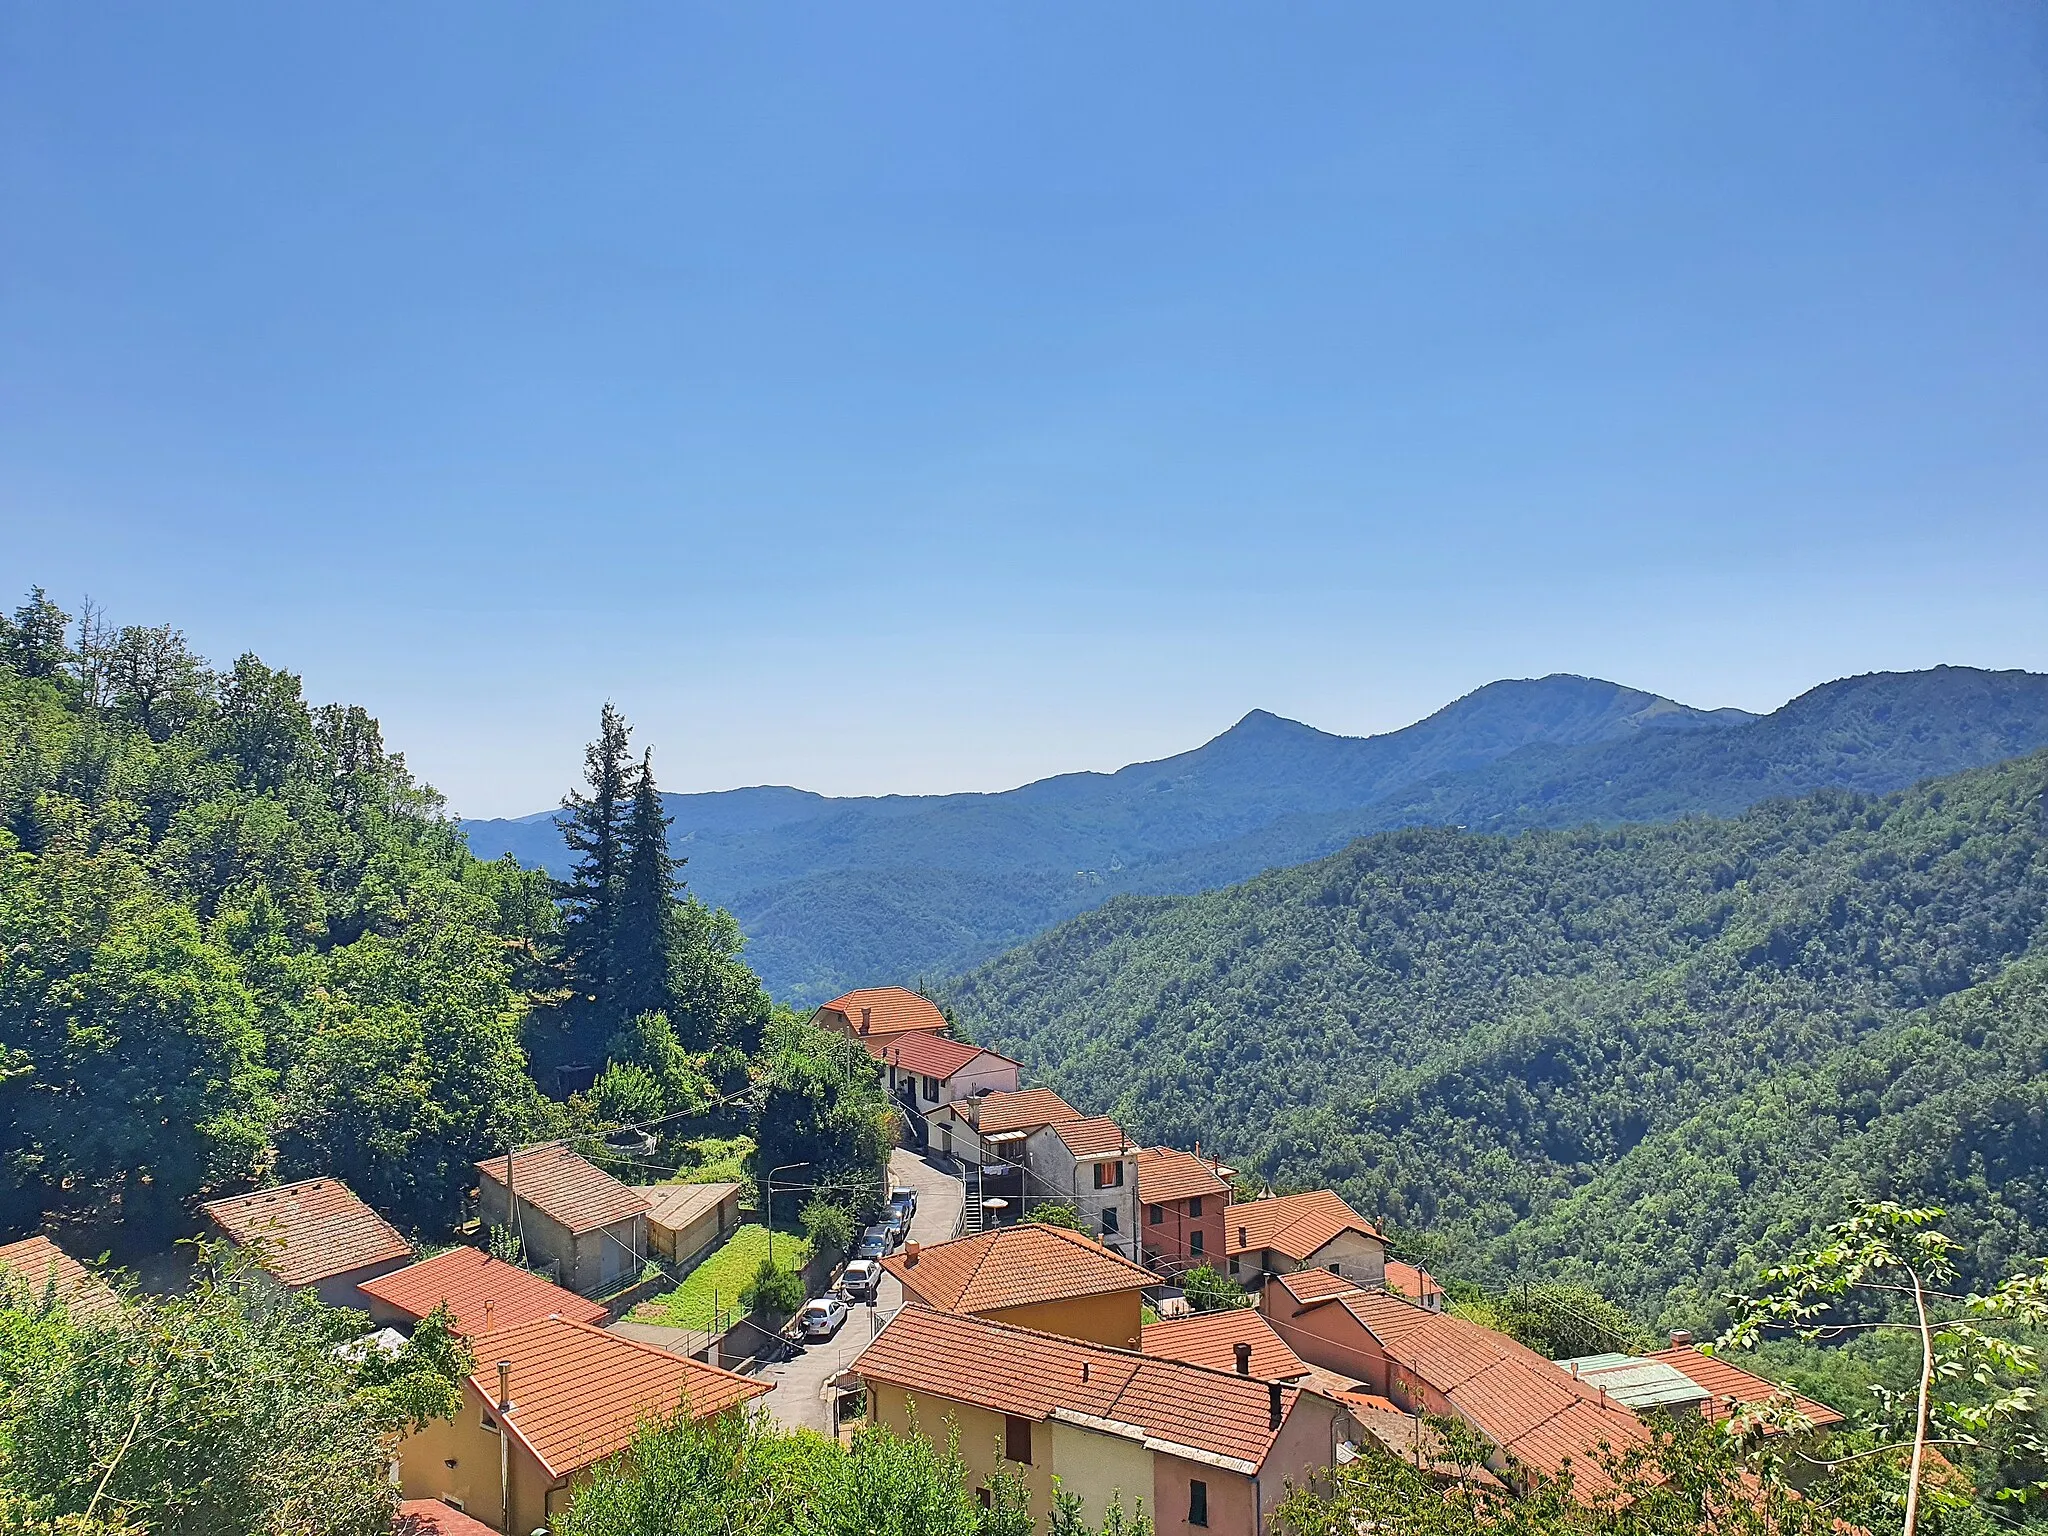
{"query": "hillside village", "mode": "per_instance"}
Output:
(1089, 1354)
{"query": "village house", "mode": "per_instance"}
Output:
(1316, 1230)
(685, 1221)
(568, 1214)
(1235, 1339)
(988, 1130)
(482, 1294)
(1181, 1202)
(1727, 1387)
(39, 1268)
(1535, 1414)
(1033, 1276)
(1091, 1165)
(875, 1012)
(548, 1401)
(925, 1070)
(315, 1236)
(1207, 1451)
(1416, 1284)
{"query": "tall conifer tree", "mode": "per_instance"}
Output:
(647, 898)
(595, 829)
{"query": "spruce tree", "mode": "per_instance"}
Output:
(595, 831)
(647, 898)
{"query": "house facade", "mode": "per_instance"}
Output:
(571, 1216)
(1207, 1451)
(1030, 1276)
(989, 1129)
(1316, 1230)
(1090, 1164)
(1181, 1203)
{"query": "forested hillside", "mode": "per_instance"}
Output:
(835, 893)
(1619, 1053)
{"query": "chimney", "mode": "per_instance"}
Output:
(910, 1252)
(489, 1308)
(504, 1387)
(1680, 1338)
(1243, 1351)
(1084, 1370)
(866, 1016)
(1273, 1404)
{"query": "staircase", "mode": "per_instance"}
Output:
(970, 1209)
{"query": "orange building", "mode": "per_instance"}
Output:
(1033, 1276)
(1180, 1209)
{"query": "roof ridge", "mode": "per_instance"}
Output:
(976, 1320)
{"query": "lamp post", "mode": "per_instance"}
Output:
(768, 1199)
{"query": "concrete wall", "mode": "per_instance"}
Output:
(589, 1262)
(1233, 1504)
(1114, 1319)
(1098, 1468)
(341, 1290)
(1327, 1336)
(905, 1412)
(1358, 1258)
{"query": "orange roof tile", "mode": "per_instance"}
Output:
(1294, 1226)
(43, 1267)
(430, 1517)
(1529, 1406)
(1096, 1136)
(1317, 1284)
(1211, 1339)
(579, 1393)
(309, 1231)
(1015, 1266)
(475, 1285)
(927, 1054)
(883, 1011)
(1167, 1173)
(1025, 1110)
(569, 1189)
(1730, 1384)
(1006, 1369)
(1416, 1283)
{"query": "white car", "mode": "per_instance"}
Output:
(859, 1279)
(822, 1318)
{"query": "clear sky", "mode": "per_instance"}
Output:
(922, 397)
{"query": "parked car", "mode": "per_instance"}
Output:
(822, 1318)
(859, 1279)
(903, 1198)
(898, 1223)
(875, 1243)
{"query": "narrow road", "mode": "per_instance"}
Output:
(799, 1401)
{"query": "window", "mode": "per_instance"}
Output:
(490, 1424)
(1156, 1214)
(1196, 1243)
(1195, 1208)
(1333, 1269)
(1198, 1502)
(983, 1498)
(931, 1089)
(1233, 1266)
(1109, 1175)
(1109, 1218)
(1016, 1439)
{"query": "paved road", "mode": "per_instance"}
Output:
(799, 1396)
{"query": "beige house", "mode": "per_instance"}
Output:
(570, 1215)
(1316, 1230)
(1034, 1276)
(547, 1402)
(313, 1236)
(685, 1219)
(925, 1070)
(1204, 1450)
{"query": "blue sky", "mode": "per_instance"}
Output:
(935, 397)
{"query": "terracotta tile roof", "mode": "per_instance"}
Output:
(1415, 1283)
(1166, 1403)
(677, 1205)
(579, 1393)
(470, 1281)
(888, 1010)
(1730, 1383)
(1294, 1226)
(570, 1189)
(42, 1266)
(1025, 1110)
(1167, 1173)
(1529, 1407)
(1413, 1441)
(1317, 1285)
(1096, 1136)
(927, 1054)
(1015, 1266)
(1211, 1339)
(309, 1231)
(430, 1517)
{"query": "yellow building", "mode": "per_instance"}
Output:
(549, 1400)
(1202, 1450)
(1032, 1276)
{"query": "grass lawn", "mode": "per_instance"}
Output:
(728, 1271)
(716, 1160)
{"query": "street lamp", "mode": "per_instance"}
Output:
(768, 1200)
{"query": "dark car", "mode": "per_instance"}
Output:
(903, 1198)
(874, 1243)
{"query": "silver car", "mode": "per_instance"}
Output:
(859, 1279)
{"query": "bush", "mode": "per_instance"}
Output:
(1058, 1213)
(1209, 1290)
(829, 1226)
(773, 1292)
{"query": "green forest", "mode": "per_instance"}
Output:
(1632, 1057)
(240, 943)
